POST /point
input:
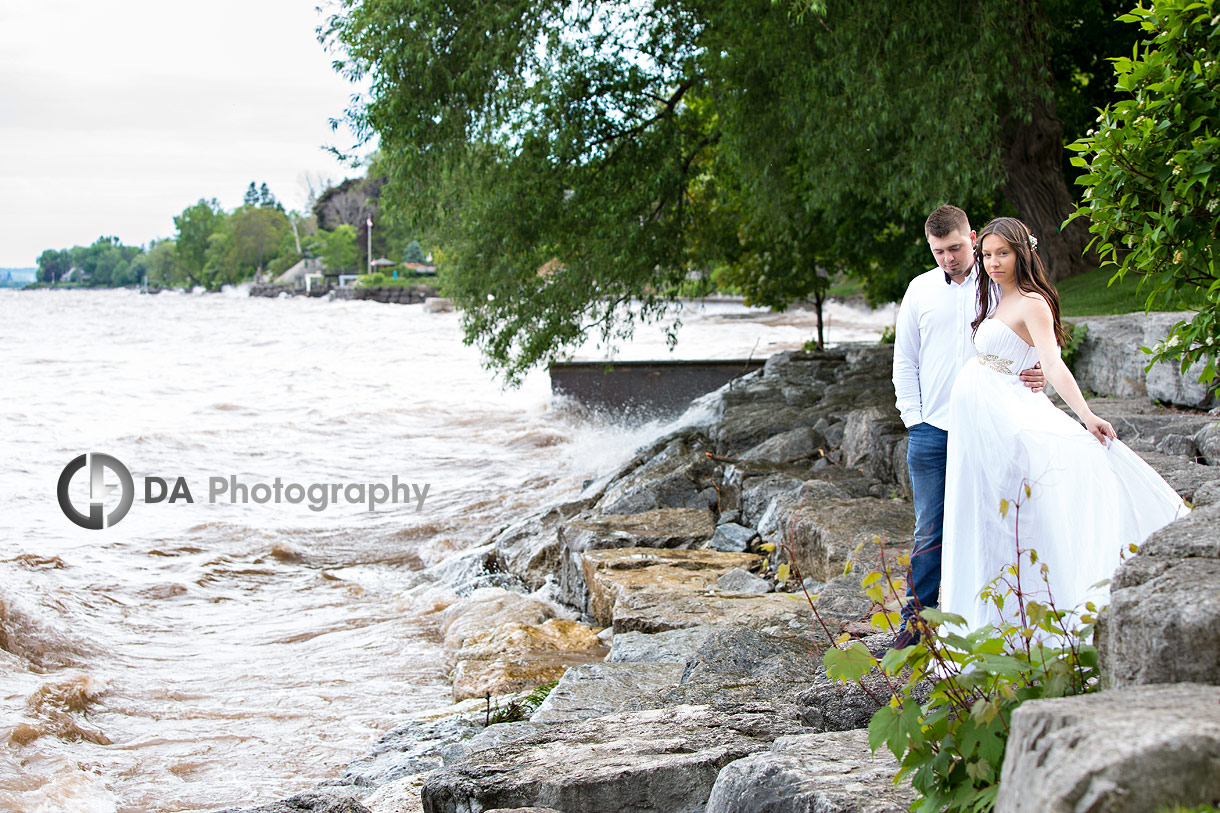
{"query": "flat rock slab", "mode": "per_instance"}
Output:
(658, 610)
(813, 773)
(671, 646)
(610, 574)
(742, 666)
(664, 760)
(1128, 750)
(651, 591)
(597, 689)
(514, 673)
(488, 608)
(660, 528)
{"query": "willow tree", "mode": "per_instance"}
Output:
(575, 161)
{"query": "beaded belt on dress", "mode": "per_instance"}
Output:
(995, 363)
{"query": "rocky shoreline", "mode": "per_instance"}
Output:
(386, 294)
(690, 679)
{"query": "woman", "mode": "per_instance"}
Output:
(1089, 496)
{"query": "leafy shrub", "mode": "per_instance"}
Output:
(1076, 336)
(1148, 190)
(952, 744)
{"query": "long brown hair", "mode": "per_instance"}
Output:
(1030, 276)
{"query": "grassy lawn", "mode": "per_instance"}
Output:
(1090, 295)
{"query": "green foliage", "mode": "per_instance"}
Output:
(53, 265)
(414, 253)
(107, 262)
(517, 710)
(196, 225)
(258, 234)
(952, 744)
(339, 250)
(1077, 333)
(578, 161)
(159, 266)
(1147, 173)
(888, 335)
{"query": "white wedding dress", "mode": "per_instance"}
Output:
(1087, 502)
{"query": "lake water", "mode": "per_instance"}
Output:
(210, 653)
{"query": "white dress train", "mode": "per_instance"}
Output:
(1087, 502)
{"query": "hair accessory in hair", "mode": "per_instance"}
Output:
(1033, 243)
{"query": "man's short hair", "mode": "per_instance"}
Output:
(946, 219)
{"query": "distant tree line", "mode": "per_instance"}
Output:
(213, 247)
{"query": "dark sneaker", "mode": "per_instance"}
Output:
(905, 638)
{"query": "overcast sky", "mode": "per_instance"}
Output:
(116, 116)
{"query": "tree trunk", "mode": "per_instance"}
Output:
(1033, 159)
(819, 299)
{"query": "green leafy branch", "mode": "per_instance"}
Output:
(951, 744)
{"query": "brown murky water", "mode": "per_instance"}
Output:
(202, 654)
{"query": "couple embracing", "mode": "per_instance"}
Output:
(977, 339)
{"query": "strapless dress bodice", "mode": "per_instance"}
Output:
(1001, 349)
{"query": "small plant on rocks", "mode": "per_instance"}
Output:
(951, 745)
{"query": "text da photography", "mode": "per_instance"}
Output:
(96, 480)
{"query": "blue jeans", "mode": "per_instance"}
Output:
(926, 462)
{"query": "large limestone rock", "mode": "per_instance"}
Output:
(874, 442)
(663, 760)
(747, 666)
(502, 642)
(1110, 362)
(399, 796)
(646, 590)
(611, 574)
(796, 445)
(1129, 750)
(755, 413)
(760, 494)
(518, 656)
(1163, 625)
(670, 646)
(830, 706)
(812, 773)
(488, 608)
(598, 689)
(660, 528)
(411, 748)
(529, 549)
(824, 533)
(727, 666)
(678, 476)
(1183, 475)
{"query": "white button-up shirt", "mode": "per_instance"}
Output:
(933, 339)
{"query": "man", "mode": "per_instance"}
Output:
(933, 339)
